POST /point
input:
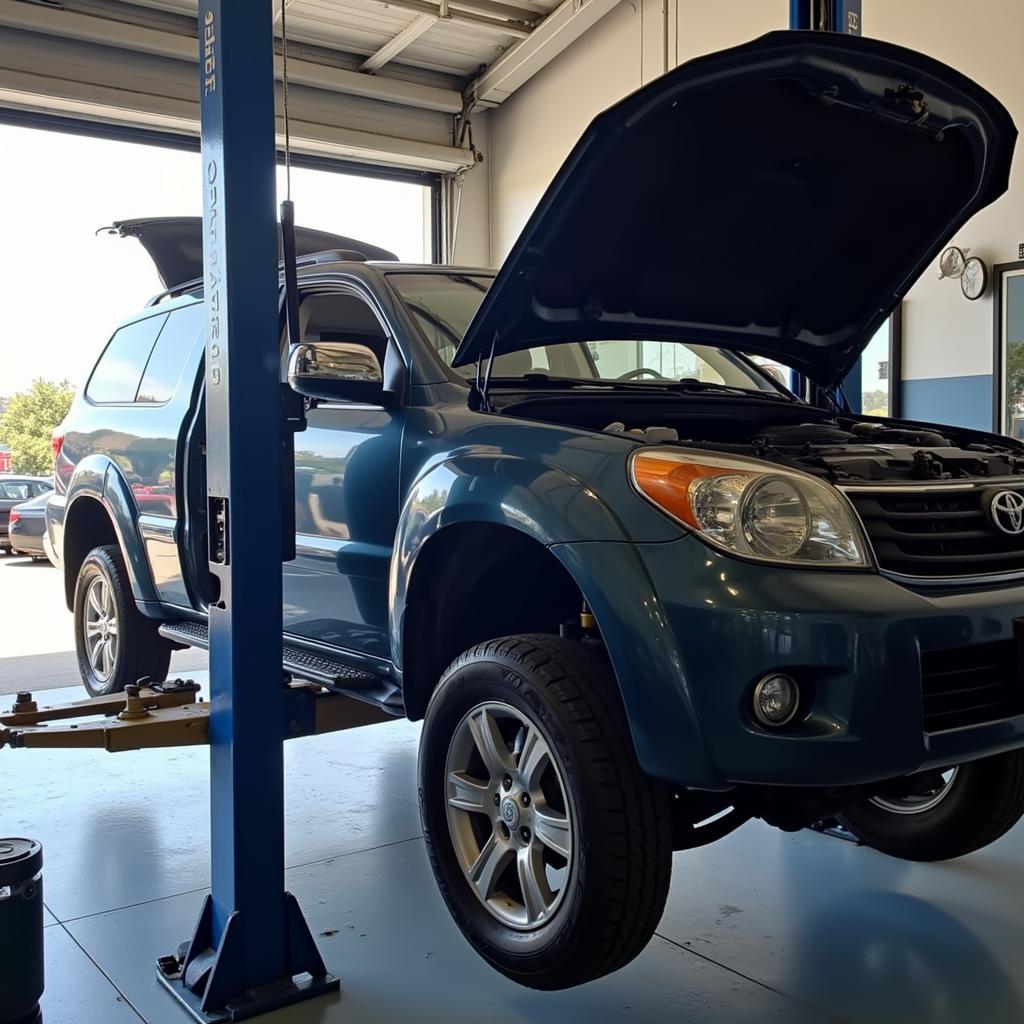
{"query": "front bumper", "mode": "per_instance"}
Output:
(853, 640)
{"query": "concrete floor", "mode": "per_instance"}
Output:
(760, 927)
(37, 645)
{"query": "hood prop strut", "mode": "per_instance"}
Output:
(482, 382)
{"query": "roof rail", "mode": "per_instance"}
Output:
(311, 260)
(330, 256)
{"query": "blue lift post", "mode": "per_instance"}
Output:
(830, 16)
(252, 950)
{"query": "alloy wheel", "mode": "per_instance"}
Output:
(101, 627)
(918, 803)
(509, 815)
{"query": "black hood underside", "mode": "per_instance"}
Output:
(778, 198)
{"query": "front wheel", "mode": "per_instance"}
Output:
(551, 848)
(115, 643)
(970, 806)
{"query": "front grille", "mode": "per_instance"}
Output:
(970, 685)
(936, 533)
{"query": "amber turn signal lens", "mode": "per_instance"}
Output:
(666, 481)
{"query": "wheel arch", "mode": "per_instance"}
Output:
(466, 520)
(469, 514)
(453, 601)
(100, 510)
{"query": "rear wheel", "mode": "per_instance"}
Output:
(550, 846)
(115, 643)
(970, 806)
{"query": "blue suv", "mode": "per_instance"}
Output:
(638, 590)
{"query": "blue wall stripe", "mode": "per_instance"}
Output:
(958, 401)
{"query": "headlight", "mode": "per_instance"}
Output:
(752, 508)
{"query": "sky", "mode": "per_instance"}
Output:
(65, 288)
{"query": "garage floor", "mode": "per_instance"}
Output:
(761, 927)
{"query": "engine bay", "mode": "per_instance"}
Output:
(837, 448)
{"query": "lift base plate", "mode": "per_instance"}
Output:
(204, 975)
(262, 1000)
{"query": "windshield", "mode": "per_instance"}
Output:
(444, 304)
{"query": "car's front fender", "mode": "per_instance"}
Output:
(584, 534)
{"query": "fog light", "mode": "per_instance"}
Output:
(776, 698)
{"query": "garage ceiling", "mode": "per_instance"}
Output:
(383, 81)
(474, 33)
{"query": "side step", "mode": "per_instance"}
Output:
(302, 663)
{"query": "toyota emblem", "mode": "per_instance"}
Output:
(1007, 511)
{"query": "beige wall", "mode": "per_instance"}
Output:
(472, 233)
(947, 336)
(531, 133)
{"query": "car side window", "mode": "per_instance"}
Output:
(14, 491)
(38, 489)
(341, 316)
(167, 360)
(116, 376)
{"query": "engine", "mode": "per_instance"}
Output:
(847, 450)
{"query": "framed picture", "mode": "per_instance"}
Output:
(1008, 349)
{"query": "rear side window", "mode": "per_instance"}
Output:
(117, 374)
(163, 371)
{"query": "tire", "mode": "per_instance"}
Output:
(134, 647)
(982, 802)
(584, 792)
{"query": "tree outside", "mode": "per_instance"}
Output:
(27, 424)
(875, 403)
(1014, 386)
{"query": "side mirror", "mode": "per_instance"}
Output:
(336, 371)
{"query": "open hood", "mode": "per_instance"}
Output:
(778, 198)
(175, 244)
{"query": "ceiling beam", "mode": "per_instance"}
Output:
(395, 46)
(518, 11)
(552, 36)
(468, 18)
(85, 28)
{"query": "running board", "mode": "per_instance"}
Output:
(303, 664)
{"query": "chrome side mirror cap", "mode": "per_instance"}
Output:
(336, 371)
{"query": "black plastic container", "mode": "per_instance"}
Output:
(21, 930)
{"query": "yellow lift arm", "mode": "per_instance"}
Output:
(167, 715)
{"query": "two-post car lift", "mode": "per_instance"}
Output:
(252, 950)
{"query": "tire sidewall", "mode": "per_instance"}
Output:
(961, 823)
(467, 685)
(99, 563)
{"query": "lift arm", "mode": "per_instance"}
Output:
(167, 715)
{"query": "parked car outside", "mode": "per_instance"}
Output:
(15, 489)
(638, 591)
(27, 527)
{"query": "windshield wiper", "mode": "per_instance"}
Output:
(538, 378)
(703, 386)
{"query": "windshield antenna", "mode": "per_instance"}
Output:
(288, 250)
